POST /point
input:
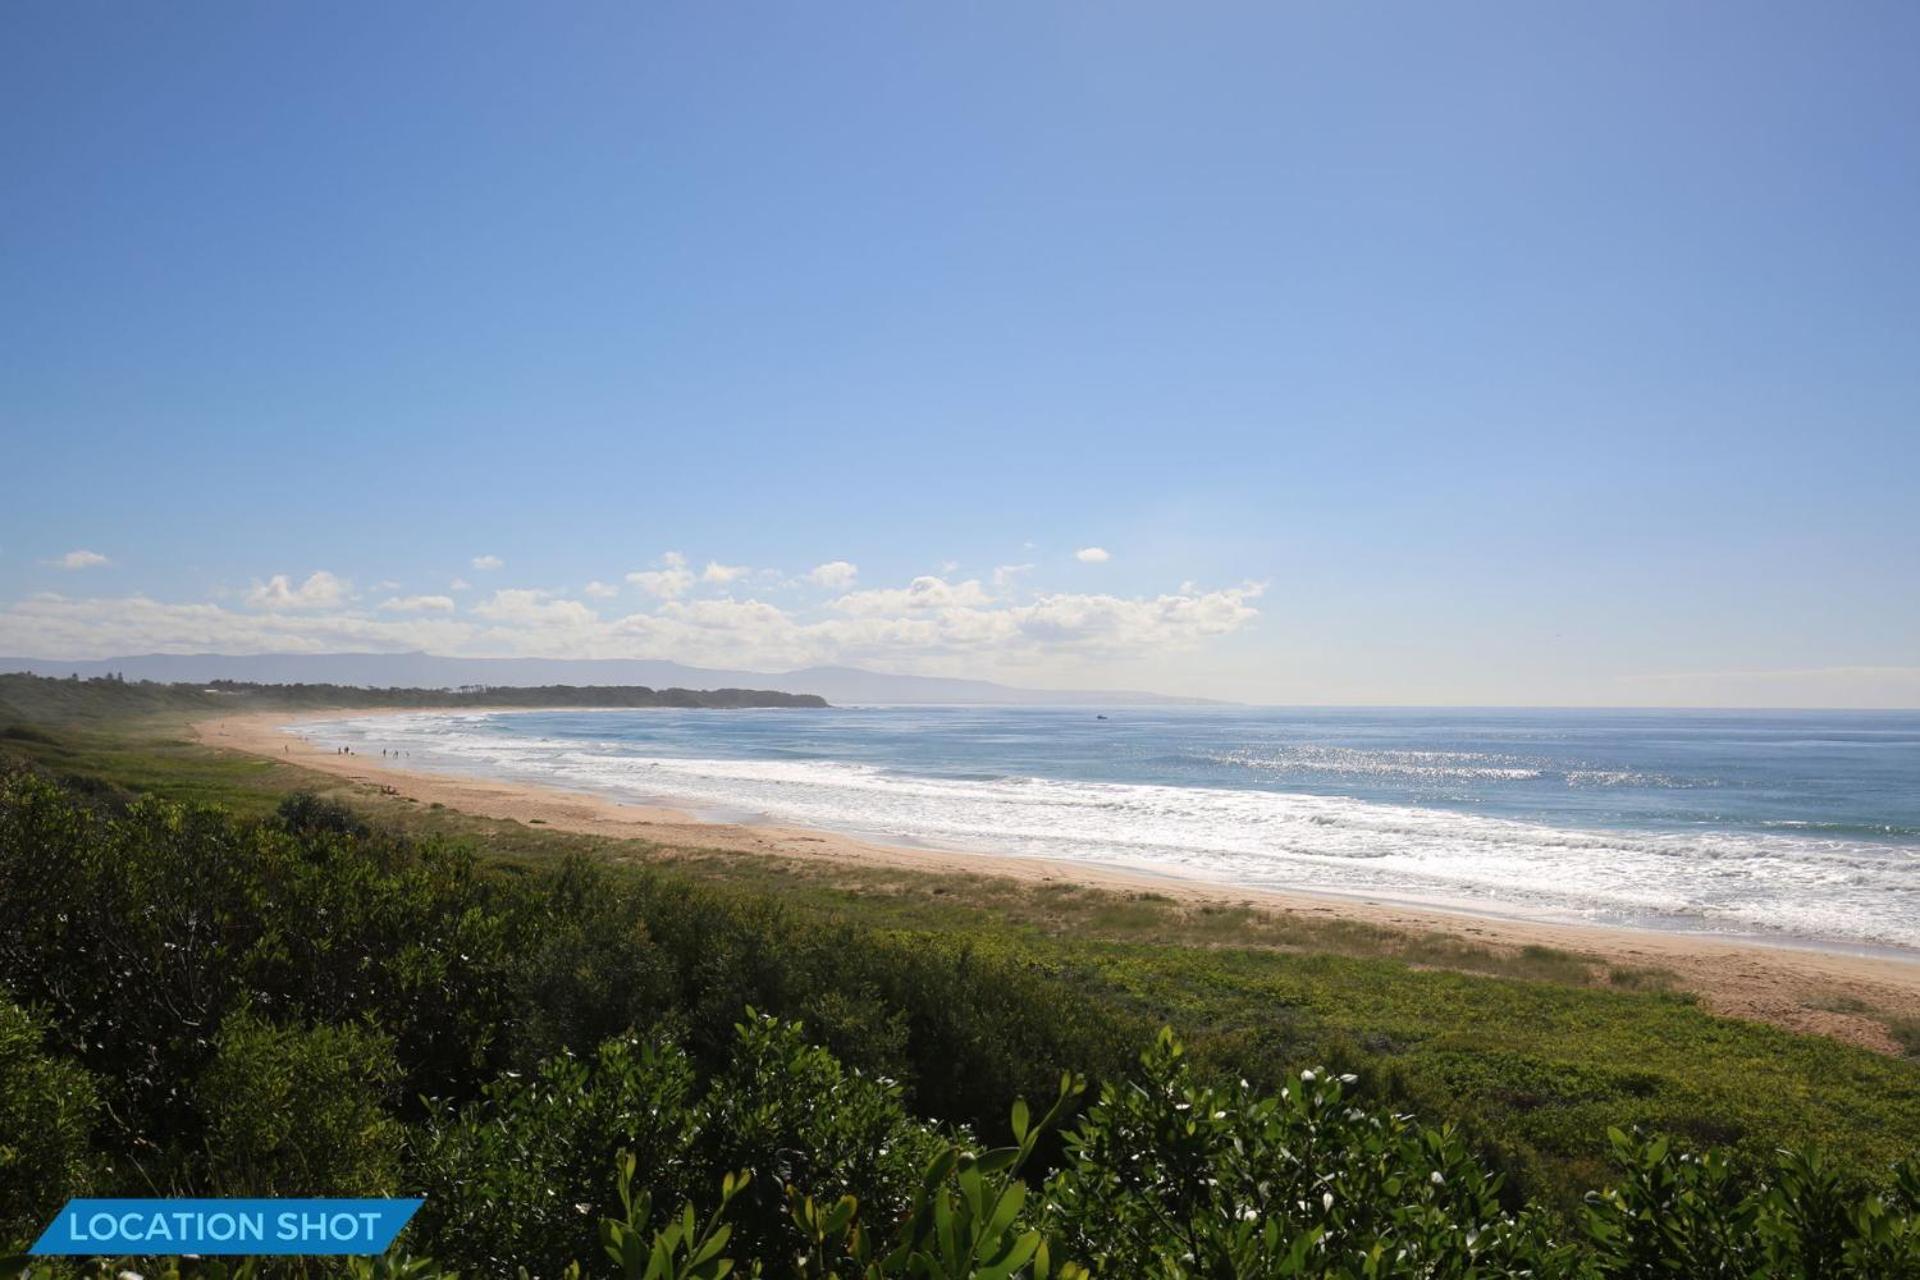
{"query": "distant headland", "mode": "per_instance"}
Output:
(434, 671)
(30, 698)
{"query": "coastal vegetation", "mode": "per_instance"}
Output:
(222, 975)
(25, 699)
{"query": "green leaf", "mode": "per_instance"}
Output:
(715, 1243)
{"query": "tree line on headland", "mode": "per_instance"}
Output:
(39, 698)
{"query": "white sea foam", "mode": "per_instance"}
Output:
(1796, 885)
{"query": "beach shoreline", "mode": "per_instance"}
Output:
(1799, 984)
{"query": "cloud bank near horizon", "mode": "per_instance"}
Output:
(718, 617)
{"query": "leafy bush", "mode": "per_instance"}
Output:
(1679, 1213)
(300, 1111)
(518, 1177)
(47, 1112)
(593, 969)
(140, 931)
(304, 813)
(793, 1115)
(1167, 1177)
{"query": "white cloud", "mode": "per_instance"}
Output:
(837, 574)
(601, 590)
(1004, 575)
(79, 558)
(922, 593)
(418, 604)
(930, 626)
(321, 590)
(1092, 555)
(540, 608)
(667, 582)
(1116, 625)
(459, 584)
(487, 564)
(724, 573)
(56, 626)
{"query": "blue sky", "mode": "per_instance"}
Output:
(1486, 353)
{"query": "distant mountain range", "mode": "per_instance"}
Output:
(840, 685)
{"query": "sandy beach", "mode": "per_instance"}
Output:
(1805, 989)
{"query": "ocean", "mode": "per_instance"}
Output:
(1785, 826)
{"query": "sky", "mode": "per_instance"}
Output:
(1490, 353)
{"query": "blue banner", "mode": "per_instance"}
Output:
(166, 1228)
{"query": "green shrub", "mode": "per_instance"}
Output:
(1167, 1177)
(300, 1111)
(1172, 1179)
(519, 1177)
(127, 932)
(792, 1115)
(592, 970)
(304, 813)
(1672, 1212)
(47, 1112)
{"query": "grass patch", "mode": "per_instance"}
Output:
(156, 755)
(1906, 1034)
(1629, 977)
